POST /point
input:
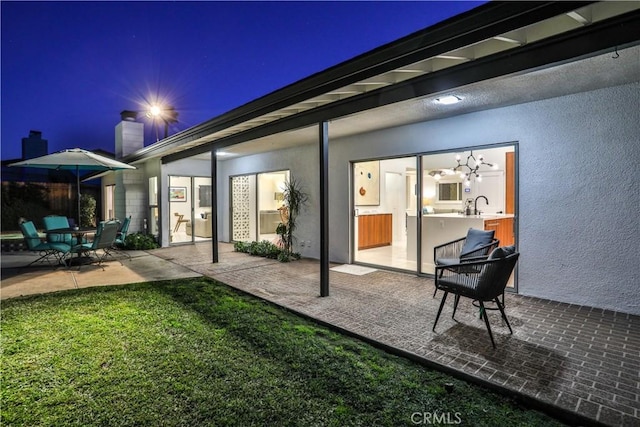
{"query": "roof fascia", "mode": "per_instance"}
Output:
(618, 31)
(483, 22)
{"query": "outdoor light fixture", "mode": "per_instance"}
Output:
(154, 111)
(167, 114)
(448, 99)
(470, 168)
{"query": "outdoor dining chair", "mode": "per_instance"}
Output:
(55, 222)
(119, 242)
(475, 246)
(47, 250)
(485, 282)
(104, 239)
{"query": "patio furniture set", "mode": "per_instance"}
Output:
(64, 240)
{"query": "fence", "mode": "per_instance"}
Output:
(36, 200)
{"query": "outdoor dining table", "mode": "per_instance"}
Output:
(78, 233)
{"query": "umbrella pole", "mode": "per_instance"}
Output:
(78, 183)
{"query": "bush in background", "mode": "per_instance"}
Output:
(87, 210)
(140, 241)
(30, 201)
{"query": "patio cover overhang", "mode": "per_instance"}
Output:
(492, 42)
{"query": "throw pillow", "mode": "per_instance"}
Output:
(476, 239)
(502, 252)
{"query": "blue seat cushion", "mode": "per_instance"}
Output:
(476, 239)
(502, 252)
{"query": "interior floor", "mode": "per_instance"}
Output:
(394, 256)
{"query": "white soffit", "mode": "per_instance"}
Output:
(605, 70)
(541, 30)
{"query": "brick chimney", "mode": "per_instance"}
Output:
(129, 134)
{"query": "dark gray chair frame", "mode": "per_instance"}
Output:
(487, 283)
(453, 248)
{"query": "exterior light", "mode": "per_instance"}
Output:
(448, 99)
(155, 111)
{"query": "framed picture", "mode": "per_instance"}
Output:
(366, 176)
(177, 194)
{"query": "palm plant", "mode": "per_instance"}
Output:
(294, 199)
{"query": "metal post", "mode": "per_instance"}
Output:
(324, 208)
(214, 205)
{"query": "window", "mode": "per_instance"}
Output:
(449, 191)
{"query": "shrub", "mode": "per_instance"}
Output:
(140, 241)
(87, 210)
(265, 249)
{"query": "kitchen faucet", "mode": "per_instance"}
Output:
(475, 204)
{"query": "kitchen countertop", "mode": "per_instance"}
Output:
(460, 216)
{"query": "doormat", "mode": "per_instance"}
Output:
(357, 270)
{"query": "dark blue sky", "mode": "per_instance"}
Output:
(69, 68)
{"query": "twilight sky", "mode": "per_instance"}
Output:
(69, 68)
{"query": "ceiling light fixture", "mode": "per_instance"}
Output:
(470, 168)
(448, 99)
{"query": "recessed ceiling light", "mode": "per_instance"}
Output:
(448, 99)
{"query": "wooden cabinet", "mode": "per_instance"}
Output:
(374, 230)
(503, 228)
(510, 183)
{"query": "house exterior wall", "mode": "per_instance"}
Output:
(578, 198)
(302, 162)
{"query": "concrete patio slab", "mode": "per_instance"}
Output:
(18, 280)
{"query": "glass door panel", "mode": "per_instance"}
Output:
(202, 227)
(454, 181)
(384, 200)
(180, 196)
(270, 200)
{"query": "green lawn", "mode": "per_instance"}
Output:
(196, 353)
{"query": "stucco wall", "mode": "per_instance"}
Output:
(579, 197)
(302, 162)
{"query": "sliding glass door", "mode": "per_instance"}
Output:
(400, 212)
(190, 206)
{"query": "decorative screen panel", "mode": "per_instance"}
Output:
(240, 208)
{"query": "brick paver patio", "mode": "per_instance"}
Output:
(580, 359)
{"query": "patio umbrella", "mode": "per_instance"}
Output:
(75, 159)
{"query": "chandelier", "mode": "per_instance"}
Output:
(470, 168)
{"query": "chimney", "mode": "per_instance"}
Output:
(34, 145)
(129, 134)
